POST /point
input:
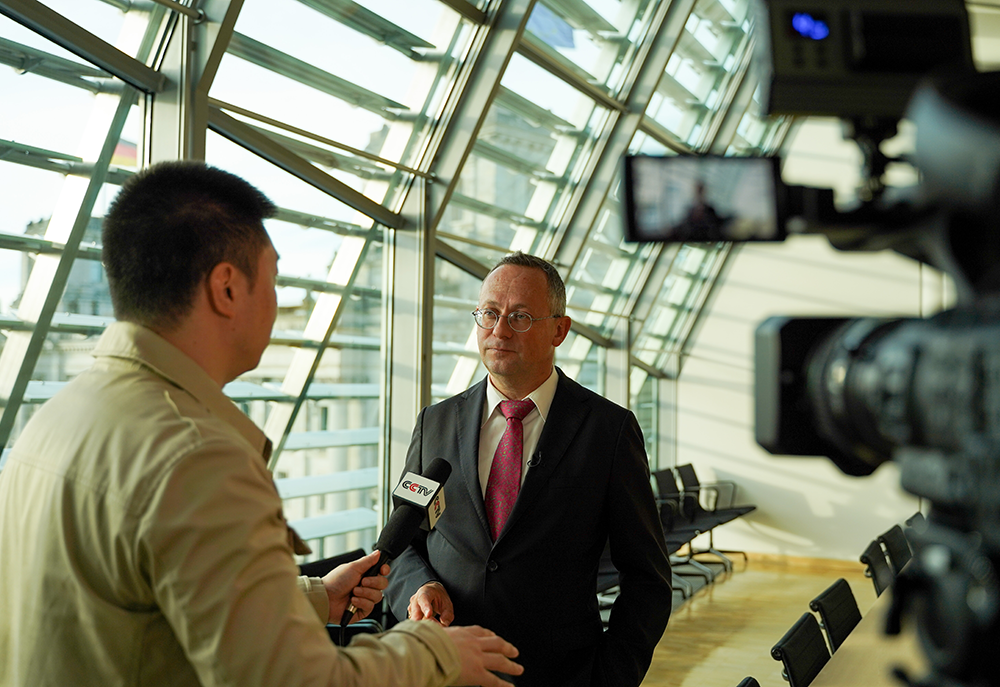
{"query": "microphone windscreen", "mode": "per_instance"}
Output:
(406, 518)
(439, 470)
(399, 530)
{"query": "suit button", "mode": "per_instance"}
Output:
(492, 566)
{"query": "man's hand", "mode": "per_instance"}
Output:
(480, 652)
(431, 602)
(345, 585)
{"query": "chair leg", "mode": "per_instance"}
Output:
(727, 562)
(680, 584)
(701, 570)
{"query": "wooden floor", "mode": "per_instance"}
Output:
(725, 631)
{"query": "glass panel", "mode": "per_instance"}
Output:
(595, 41)
(607, 274)
(337, 429)
(582, 361)
(380, 101)
(714, 41)
(526, 162)
(455, 363)
(11, 284)
(339, 425)
(756, 134)
(645, 406)
(49, 144)
(664, 331)
(99, 17)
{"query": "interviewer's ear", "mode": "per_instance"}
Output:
(221, 289)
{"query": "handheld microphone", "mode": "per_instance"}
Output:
(419, 502)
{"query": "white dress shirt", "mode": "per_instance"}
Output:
(494, 424)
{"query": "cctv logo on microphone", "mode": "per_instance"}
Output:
(422, 492)
(416, 489)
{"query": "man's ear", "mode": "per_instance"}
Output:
(220, 287)
(562, 330)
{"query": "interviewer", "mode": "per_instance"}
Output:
(142, 540)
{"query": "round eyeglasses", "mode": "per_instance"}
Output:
(518, 321)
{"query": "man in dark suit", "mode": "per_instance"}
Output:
(524, 563)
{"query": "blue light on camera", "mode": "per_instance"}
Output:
(808, 26)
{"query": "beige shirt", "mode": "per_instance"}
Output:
(142, 542)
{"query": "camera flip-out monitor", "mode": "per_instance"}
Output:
(703, 198)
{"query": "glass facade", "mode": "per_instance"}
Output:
(408, 146)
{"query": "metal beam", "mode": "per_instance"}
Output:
(61, 31)
(356, 152)
(265, 147)
(467, 10)
(551, 61)
(190, 12)
(190, 54)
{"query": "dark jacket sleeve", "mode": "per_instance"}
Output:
(640, 613)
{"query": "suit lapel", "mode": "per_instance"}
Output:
(470, 417)
(566, 415)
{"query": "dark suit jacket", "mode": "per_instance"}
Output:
(536, 585)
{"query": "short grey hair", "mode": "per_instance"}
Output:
(557, 289)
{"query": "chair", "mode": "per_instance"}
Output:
(916, 525)
(897, 548)
(607, 577)
(684, 506)
(917, 521)
(878, 567)
(838, 612)
(802, 651)
(678, 532)
(712, 510)
(342, 636)
(607, 583)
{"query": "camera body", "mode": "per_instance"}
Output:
(850, 59)
(923, 393)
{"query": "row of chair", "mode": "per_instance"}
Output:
(689, 509)
(885, 556)
(809, 643)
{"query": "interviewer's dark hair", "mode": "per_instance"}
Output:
(557, 289)
(169, 226)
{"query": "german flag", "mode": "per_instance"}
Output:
(126, 154)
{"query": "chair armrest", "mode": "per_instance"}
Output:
(340, 634)
(715, 488)
(684, 505)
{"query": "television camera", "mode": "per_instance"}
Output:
(924, 393)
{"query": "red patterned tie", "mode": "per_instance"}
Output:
(505, 473)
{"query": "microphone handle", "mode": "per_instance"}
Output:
(351, 609)
(383, 558)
